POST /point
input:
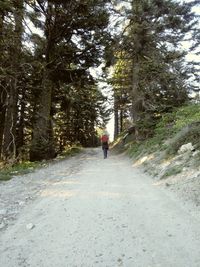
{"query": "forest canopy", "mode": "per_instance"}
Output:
(50, 100)
(152, 70)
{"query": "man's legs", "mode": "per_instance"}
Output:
(105, 152)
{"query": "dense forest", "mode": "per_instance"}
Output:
(49, 98)
(153, 73)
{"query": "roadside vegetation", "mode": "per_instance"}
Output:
(173, 130)
(160, 154)
(69, 64)
(8, 170)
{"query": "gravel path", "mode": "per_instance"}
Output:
(88, 212)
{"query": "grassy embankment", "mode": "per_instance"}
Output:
(174, 129)
(7, 171)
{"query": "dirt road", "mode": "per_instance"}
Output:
(102, 213)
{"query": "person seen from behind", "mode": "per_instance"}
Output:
(104, 143)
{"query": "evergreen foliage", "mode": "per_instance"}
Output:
(150, 69)
(49, 100)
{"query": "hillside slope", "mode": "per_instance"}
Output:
(172, 155)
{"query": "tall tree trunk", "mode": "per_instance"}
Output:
(2, 84)
(121, 120)
(9, 136)
(1, 25)
(20, 130)
(136, 5)
(2, 115)
(135, 91)
(42, 146)
(116, 117)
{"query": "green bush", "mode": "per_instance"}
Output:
(7, 172)
(172, 171)
(188, 134)
(186, 115)
(25, 167)
(70, 151)
(168, 126)
(173, 122)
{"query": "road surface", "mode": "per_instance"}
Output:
(104, 213)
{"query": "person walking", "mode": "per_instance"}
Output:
(104, 143)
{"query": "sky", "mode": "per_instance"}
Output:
(110, 128)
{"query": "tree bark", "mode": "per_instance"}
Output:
(42, 146)
(20, 130)
(9, 136)
(135, 91)
(2, 84)
(1, 25)
(116, 118)
(136, 4)
(2, 116)
(121, 120)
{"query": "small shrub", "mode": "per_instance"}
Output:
(7, 172)
(190, 133)
(168, 127)
(70, 151)
(186, 115)
(172, 171)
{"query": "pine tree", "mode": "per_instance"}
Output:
(73, 34)
(151, 48)
(10, 74)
